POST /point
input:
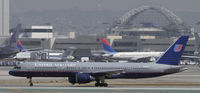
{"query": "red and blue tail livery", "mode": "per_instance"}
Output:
(20, 46)
(106, 46)
(13, 39)
(173, 55)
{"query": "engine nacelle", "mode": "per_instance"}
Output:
(81, 78)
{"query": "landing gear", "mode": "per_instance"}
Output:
(30, 81)
(101, 85)
(101, 82)
(97, 84)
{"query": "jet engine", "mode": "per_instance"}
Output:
(81, 78)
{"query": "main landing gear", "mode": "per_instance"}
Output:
(30, 81)
(101, 83)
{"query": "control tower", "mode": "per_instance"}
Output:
(4, 17)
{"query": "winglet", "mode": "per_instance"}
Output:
(106, 46)
(173, 55)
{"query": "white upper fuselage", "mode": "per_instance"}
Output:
(136, 55)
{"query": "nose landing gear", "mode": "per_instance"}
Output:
(30, 81)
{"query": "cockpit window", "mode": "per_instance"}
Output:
(17, 67)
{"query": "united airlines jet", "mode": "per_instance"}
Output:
(98, 71)
(133, 56)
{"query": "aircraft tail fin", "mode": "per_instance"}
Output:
(106, 46)
(14, 38)
(20, 46)
(173, 54)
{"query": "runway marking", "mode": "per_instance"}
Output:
(116, 89)
(95, 89)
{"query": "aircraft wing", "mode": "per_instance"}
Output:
(135, 58)
(192, 57)
(106, 72)
(140, 58)
(34, 49)
(107, 55)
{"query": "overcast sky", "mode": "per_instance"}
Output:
(40, 5)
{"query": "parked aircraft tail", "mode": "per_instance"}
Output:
(20, 46)
(12, 43)
(106, 46)
(173, 54)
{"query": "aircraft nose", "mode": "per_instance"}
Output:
(11, 72)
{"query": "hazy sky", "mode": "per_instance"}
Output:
(40, 5)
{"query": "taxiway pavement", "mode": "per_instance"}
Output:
(184, 82)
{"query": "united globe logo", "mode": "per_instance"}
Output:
(178, 47)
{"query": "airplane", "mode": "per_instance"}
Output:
(13, 46)
(66, 55)
(86, 72)
(133, 56)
